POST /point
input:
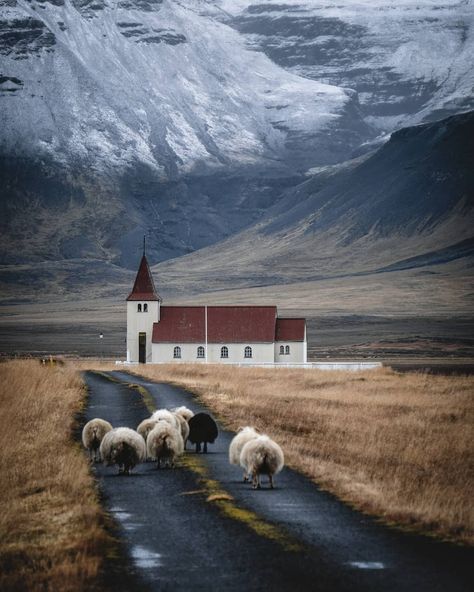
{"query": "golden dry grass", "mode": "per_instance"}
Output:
(399, 446)
(52, 536)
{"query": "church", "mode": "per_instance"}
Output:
(158, 334)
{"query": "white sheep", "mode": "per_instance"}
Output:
(123, 447)
(165, 415)
(145, 427)
(261, 456)
(92, 435)
(243, 436)
(164, 443)
(183, 427)
(184, 412)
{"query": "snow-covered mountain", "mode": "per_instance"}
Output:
(189, 119)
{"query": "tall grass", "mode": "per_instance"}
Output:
(399, 446)
(51, 526)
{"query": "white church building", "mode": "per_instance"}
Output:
(160, 334)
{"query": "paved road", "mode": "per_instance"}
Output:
(294, 537)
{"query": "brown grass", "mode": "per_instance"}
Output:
(398, 446)
(52, 536)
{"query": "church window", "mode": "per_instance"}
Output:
(200, 352)
(282, 350)
(139, 308)
(224, 352)
(145, 307)
(177, 352)
(248, 352)
(287, 349)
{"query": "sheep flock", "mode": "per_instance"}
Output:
(163, 436)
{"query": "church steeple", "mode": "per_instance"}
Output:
(144, 288)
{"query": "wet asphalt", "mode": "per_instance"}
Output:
(177, 540)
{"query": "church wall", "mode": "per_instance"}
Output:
(297, 353)
(140, 322)
(262, 353)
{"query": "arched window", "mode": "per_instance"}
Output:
(145, 307)
(200, 352)
(282, 350)
(224, 352)
(139, 308)
(177, 352)
(248, 352)
(287, 349)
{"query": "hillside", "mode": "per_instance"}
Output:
(189, 120)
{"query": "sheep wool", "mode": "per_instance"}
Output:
(261, 456)
(165, 415)
(184, 412)
(92, 435)
(123, 447)
(145, 427)
(238, 442)
(184, 427)
(165, 444)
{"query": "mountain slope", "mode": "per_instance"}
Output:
(408, 204)
(188, 120)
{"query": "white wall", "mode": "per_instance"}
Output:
(140, 322)
(261, 353)
(297, 353)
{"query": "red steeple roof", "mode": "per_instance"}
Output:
(144, 288)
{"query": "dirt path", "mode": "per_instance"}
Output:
(199, 527)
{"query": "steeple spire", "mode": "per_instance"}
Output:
(144, 287)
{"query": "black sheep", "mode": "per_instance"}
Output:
(202, 428)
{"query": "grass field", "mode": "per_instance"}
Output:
(398, 446)
(52, 535)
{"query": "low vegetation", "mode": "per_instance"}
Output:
(52, 535)
(395, 445)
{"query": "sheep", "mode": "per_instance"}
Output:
(184, 427)
(165, 415)
(145, 427)
(261, 456)
(123, 447)
(202, 428)
(184, 412)
(243, 436)
(92, 435)
(164, 443)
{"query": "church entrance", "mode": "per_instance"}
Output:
(142, 348)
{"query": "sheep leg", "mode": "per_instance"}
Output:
(271, 481)
(198, 447)
(205, 447)
(246, 477)
(256, 480)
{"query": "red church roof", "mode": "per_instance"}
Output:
(225, 324)
(143, 288)
(290, 329)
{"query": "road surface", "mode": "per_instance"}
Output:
(198, 527)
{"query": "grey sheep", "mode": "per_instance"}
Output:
(243, 436)
(123, 447)
(92, 435)
(261, 456)
(165, 444)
